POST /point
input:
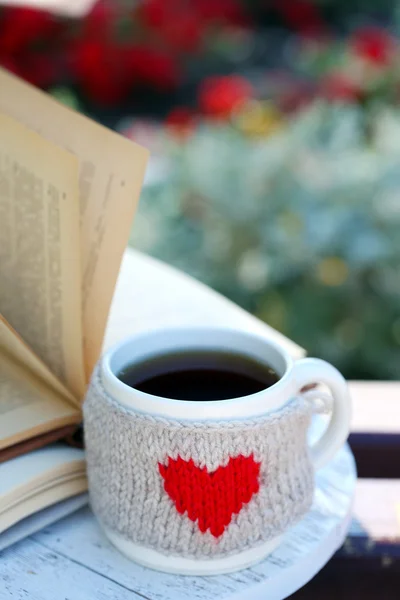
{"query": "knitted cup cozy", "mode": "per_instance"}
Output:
(196, 489)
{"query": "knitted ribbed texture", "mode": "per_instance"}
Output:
(197, 489)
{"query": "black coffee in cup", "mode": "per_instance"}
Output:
(199, 375)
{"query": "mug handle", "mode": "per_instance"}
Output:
(308, 371)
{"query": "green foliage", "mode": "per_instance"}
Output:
(302, 228)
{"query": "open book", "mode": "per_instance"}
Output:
(68, 192)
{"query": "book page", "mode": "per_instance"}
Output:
(33, 481)
(54, 493)
(151, 295)
(28, 407)
(24, 470)
(33, 522)
(111, 174)
(14, 346)
(40, 293)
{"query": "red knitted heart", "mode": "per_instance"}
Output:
(213, 498)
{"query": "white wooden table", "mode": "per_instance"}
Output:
(72, 560)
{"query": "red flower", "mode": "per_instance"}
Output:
(22, 26)
(157, 12)
(220, 95)
(99, 22)
(38, 69)
(99, 70)
(148, 65)
(374, 44)
(338, 87)
(181, 121)
(226, 11)
(183, 32)
(302, 15)
(176, 22)
(181, 23)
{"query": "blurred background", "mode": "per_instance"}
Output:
(274, 128)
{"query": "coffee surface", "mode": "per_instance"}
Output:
(199, 375)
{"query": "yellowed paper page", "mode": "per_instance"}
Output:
(111, 174)
(35, 480)
(40, 293)
(14, 346)
(28, 407)
(52, 495)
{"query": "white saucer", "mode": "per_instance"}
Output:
(191, 566)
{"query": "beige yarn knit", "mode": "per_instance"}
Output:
(197, 489)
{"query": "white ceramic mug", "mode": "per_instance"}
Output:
(206, 487)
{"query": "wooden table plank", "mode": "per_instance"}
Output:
(30, 570)
(376, 516)
(346, 576)
(376, 407)
(375, 432)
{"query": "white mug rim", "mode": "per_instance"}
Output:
(252, 405)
